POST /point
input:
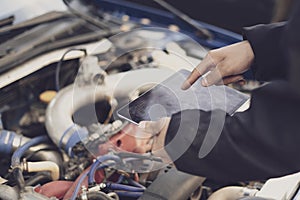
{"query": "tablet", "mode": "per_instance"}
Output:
(167, 98)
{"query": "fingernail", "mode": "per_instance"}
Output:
(185, 85)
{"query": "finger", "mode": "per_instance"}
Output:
(191, 79)
(242, 82)
(143, 149)
(211, 78)
(231, 79)
(205, 65)
(216, 75)
(153, 127)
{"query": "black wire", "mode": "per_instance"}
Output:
(60, 63)
(18, 176)
(39, 178)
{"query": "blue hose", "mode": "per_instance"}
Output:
(6, 141)
(95, 165)
(120, 179)
(130, 194)
(130, 181)
(136, 184)
(16, 157)
(77, 188)
(128, 188)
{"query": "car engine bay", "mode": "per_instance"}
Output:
(63, 76)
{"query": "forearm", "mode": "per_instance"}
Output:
(253, 145)
(221, 163)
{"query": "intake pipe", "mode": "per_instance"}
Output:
(11, 141)
(63, 131)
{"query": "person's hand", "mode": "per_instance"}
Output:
(155, 127)
(159, 130)
(224, 64)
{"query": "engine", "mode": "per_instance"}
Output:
(63, 136)
(63, 76)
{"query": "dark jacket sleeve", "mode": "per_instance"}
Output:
(292, 35)
(269, 46)
(259, 143)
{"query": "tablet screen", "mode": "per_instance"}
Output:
(168, 98)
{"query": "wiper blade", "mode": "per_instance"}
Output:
(47, 17)
(10, 61)
(202, 31)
